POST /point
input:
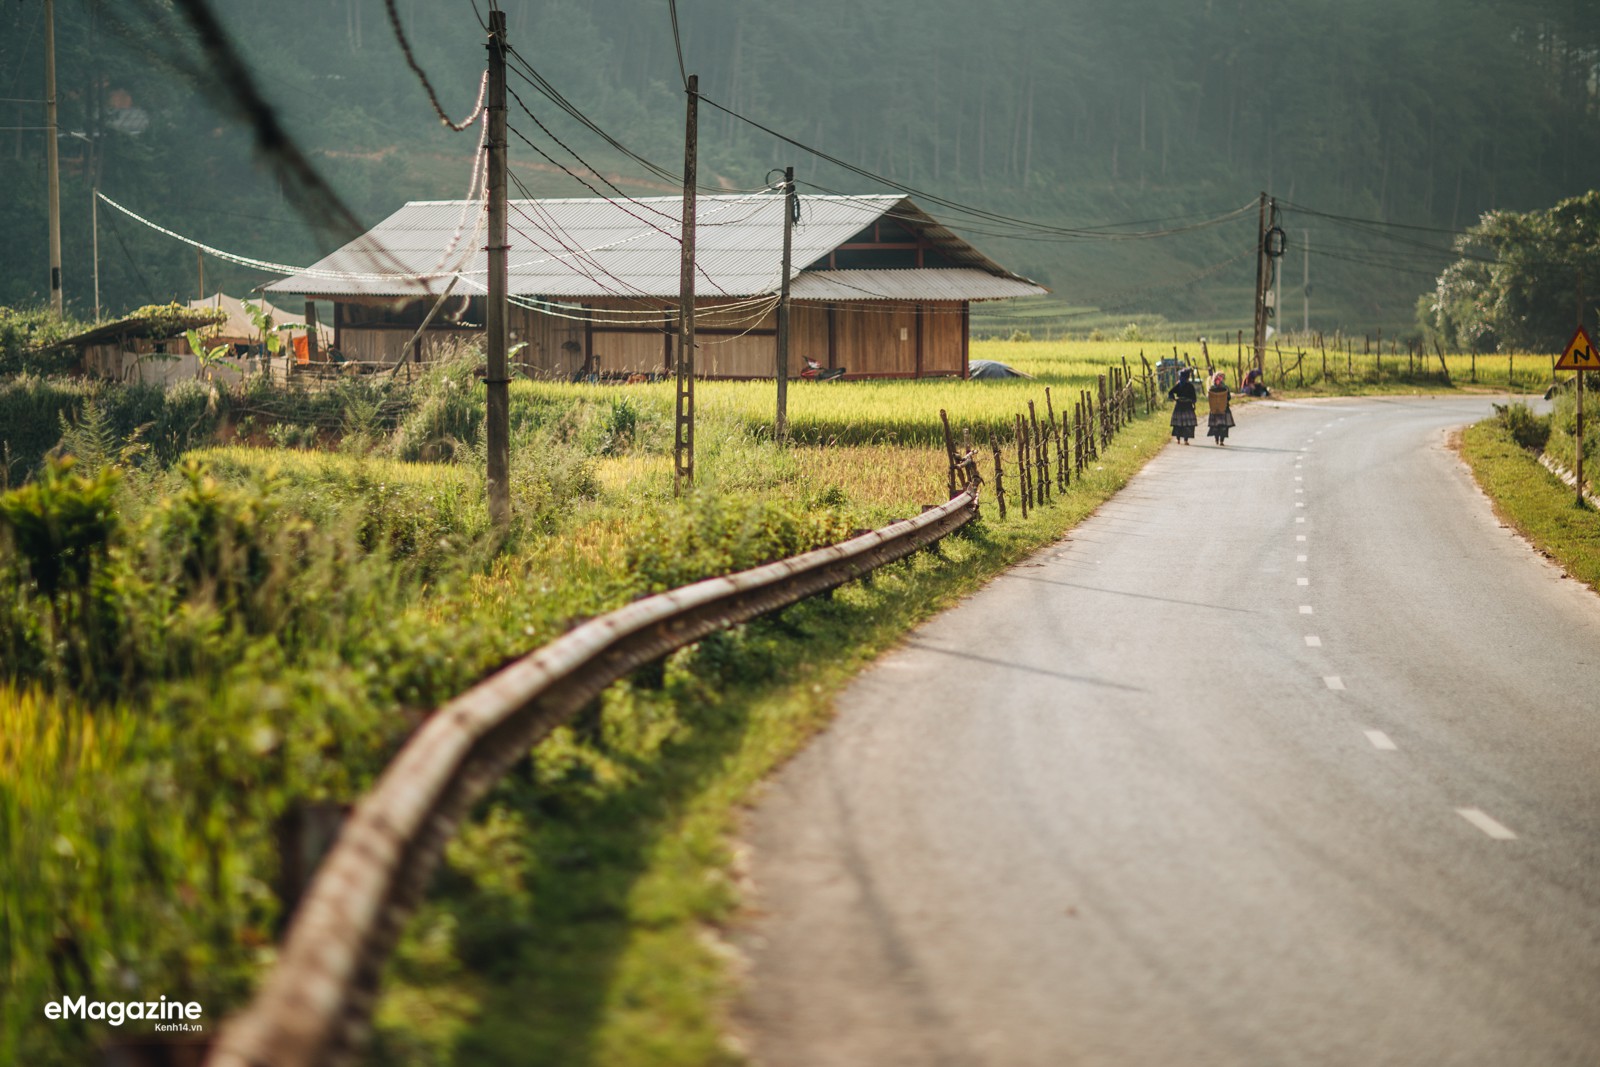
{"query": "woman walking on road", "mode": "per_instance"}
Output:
(1183, 397)
(1221, 418)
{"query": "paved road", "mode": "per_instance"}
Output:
(1290, 755)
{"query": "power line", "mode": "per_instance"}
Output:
(677, 42)
(427, 86)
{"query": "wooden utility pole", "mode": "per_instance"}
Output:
(780, 428)
(1261, 287)
(683, 435)
(497, 428)
(52, 153)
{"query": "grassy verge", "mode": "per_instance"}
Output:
(585, 934)
(190, 651)
(1533, 501)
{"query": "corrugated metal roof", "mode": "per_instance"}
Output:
(928, 283)
(578, 248)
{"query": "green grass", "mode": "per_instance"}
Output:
(268, 625)
(588, 935)
(1533, 501)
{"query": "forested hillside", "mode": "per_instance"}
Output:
(1074, 112)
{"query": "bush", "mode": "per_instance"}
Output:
(1526, 429)
(1020, 336)
(24, 330)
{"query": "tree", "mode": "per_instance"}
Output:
(1518, 282)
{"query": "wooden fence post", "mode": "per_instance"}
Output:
(1041, 458)
(1024, 487)
(999, 477)
(950, 451)
(1064, 453)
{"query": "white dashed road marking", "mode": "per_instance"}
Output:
(1333, 681)
(1299, 559)
(1486, 824)
(1380, 740)
(1313, 641)
(1305, 609)
(1302, 581)
(1299, 537)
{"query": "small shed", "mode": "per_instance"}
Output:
(878, 286)
(146, 346)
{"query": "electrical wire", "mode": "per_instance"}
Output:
(677, 42)
(427, 86)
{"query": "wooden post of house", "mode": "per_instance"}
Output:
(313, 335)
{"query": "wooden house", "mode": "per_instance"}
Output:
(878, 286)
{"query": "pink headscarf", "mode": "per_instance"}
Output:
(1218, 379)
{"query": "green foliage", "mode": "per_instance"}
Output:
(61, 524)
(1524, 427)
(1532, 501)
(1516, 285)
(1020, 337)
(1563, 440)
(25, 337)
(713, 535)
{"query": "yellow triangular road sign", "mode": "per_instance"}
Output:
(1580, 354)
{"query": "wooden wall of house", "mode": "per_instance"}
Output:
(944, 338)
(385, 345)
(623, 337)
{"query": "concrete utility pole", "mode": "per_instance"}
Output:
(52, 153)
(1581, 373)
(497, 427)
(94, 226)
(791, 205)
(1305, 286)
(683, 434)
(1260, 340)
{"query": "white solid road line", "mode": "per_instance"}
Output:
(1486, 824)
(1380, 740)
(1333, 681)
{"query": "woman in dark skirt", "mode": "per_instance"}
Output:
(1220, 419)
(1183, 397)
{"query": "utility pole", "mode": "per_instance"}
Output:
(94, 225)
(1261, 286)
(683, 434)
(791, 205)
(1305, 287)
(497, 427)
(52, 153)
(1581, 373)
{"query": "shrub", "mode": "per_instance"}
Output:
(1020, 336)
(1526, 429)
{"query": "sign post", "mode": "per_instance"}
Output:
(1580, 356)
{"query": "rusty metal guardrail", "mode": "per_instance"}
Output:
(315, 1005)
